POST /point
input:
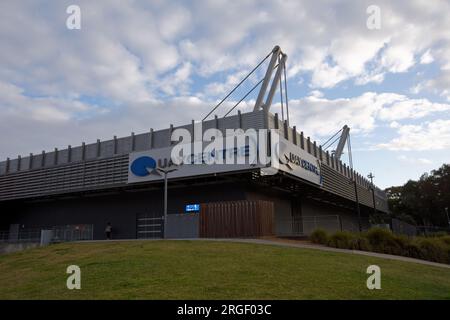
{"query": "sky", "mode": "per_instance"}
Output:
(136, 65)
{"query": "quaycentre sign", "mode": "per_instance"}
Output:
(142, 165)
(299, 162)
(214, 153)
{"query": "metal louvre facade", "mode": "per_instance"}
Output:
(104, 165)
(338, 184)
(66, 178)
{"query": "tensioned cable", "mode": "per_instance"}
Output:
(259, 64)
(281, 93)
(246, 95)
(251, 90)
(323, 145)
(335, 140)
(286, 94)
(330, 144)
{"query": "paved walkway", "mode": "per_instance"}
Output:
(324, 248)
(294, 244)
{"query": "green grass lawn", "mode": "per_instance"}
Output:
(210, 270)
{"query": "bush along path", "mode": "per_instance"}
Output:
(435, 249)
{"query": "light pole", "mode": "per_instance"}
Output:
(165, 172)
(448, 218)
(371, 176)
(358, 210)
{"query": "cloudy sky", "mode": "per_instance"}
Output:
(136, 65)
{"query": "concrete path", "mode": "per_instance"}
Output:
(292, 244)
(330, 249)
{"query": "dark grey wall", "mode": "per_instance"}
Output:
(122, 207)
(182, 226)
(119, 208)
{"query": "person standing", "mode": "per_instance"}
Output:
(108, 231)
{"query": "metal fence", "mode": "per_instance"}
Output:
(401, 227)
(73, 232)
(303, 226)
(430, 230)
(28, 235)
(58, 234)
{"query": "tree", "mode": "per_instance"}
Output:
(424, 201)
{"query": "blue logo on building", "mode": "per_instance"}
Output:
(193, 207)
(143, 166)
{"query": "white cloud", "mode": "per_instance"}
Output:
(320, 116)
(426, 58)
(417, 88)
(374, 77)
(316, 94)
(411, 160)
(394, 124)
(223, 87)
(14, 102)
(33, 128)
(326, 76)
(120, 52)
(351, 53)
(398, 58)
(124, 49)
(401, 107)
(433, 135)
(177, 82)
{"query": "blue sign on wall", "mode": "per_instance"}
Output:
(143, 166)
(192, 208)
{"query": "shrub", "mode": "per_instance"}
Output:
(363, 243)
(445, 240)
(436, 234)
(433, 250)
(413, 250)
(319, 236)
(402, 243)
(448, 255)
(378, 235)
(384, 241)
(348, 240)
(342, 240)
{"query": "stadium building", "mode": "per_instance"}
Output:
(118, 181)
